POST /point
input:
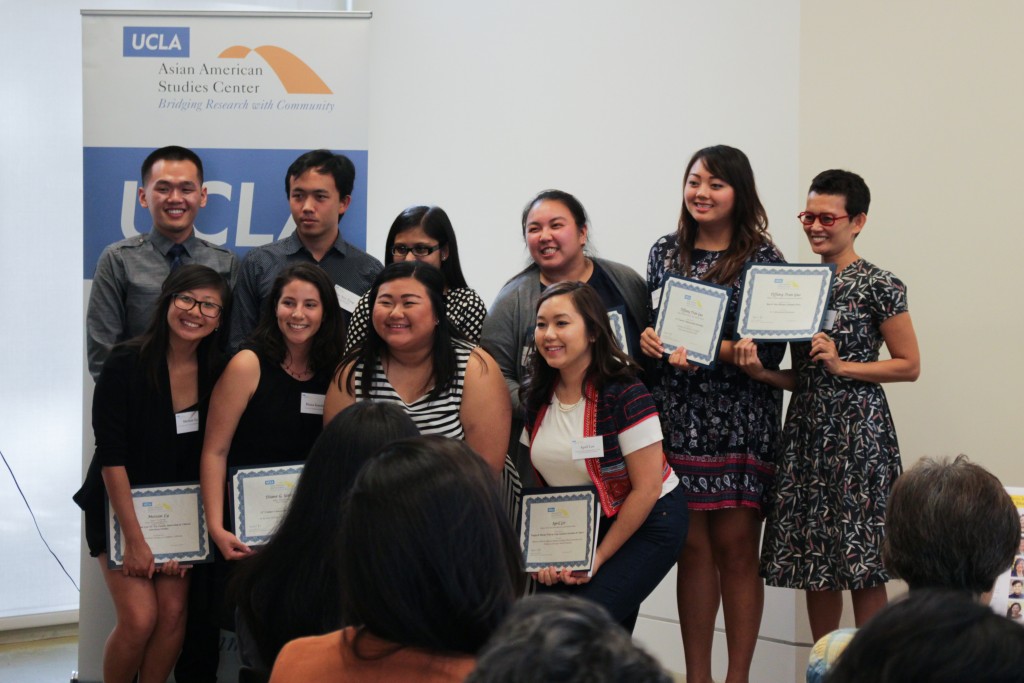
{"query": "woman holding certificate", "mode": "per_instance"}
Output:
(148, 412)
(583, 395)
(720, 425)
(413, 357)
(267, 407)
(839, 456)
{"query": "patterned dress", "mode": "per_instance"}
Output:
(720, 426)
(839, 455)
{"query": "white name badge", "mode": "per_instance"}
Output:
(587, 447)
(830, 319)
(187, 422)
(346, 299)
(311, 404)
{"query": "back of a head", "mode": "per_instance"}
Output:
(933, 637)
(427, 555)
(563, 639)
(950, 526)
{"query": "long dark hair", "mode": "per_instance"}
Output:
(290, 588)
(428, 556)
(153, 343)
(267, 339)
(608, 362)
(438, 226)
(749, 220)
(445, 362)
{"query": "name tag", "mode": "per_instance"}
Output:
(830, 319)
(587, 447)
(187, 422)
(346, 299)
(311, 404)
(656, 298)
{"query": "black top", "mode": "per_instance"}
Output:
(273, 429)
(136, 428)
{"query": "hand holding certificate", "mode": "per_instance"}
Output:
(784, 302)
(558, 528)
(172, 522)
(260, 498)
(691, 315)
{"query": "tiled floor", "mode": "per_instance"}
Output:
(40, 661)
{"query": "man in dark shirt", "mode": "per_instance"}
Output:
(319, 188)
(130, 273)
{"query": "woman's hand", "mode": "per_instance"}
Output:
(823, 350)
(549, 576)
(172, 568)
(229, 545)
(650, 343)
(746, 359)
(677, 359)
(138, 559)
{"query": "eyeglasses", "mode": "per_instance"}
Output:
(208, 309)
(826, 219)
(417, 249)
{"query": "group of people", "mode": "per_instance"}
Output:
(203, 364)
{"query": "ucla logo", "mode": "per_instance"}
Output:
(156, 41)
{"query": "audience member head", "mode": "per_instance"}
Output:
(324, 318)
(290, 588)
(205, 286)
(949, 526)
(556, 230)
(933, 637)
(324, 162)
(171, 153)
(423, 229)
(319, 186)
(428, 558)
(563, 639)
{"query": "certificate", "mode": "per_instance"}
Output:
(558, 528)
(691, 314)
(259, 499)
(172, 521)
(617, 321)
(784, 302)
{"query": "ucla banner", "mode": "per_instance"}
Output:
(248, 91)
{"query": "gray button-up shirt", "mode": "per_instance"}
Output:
(127, 283)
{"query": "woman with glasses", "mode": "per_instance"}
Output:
(839, 456)
(267, 407)
(148, 414)
(424, 233)
(720, 425)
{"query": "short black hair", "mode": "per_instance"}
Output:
(933, 637)
(563, 639)
(325, 162)
(171, 153)
(846, 184)
(950, 526)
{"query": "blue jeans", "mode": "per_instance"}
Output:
(632, 573)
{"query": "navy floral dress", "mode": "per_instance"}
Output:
(839, 455)
(721, 427)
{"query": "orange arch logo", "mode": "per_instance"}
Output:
(294, 74)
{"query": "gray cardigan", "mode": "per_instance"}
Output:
(508, 328)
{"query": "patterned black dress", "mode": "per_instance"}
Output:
(839, 455)
(720, 426)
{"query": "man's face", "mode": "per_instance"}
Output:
(316, 205)
(173, 194)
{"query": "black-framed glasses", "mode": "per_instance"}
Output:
(207, 309)
(403, 250)
(826, 219)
